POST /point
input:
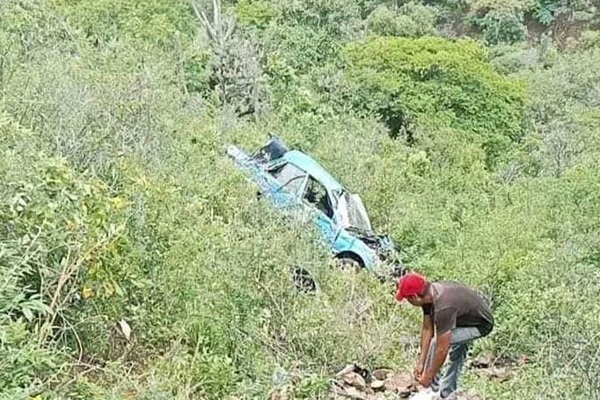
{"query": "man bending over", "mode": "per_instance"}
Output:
(453, 316)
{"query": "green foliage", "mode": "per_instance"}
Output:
(339, 18)
(255, 13)
(62, 239)
(118, 204)
(410, 20)
(564, 112)
(303, 48)
(590, 39)
(503, 27)
(197, 74)
(544, 11)
(156, 21)
(22, 360)
(437, 81)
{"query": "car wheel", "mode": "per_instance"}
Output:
(399, 270)
(303, 281)
(348, 263)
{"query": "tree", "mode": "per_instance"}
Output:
(437, 82)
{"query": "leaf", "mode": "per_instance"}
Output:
(35, 304)
(118, 203)
(87, 292)
(117, 289)
(125, 329)
(108, 289)
(27, 313)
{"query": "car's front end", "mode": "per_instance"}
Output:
(384, 252)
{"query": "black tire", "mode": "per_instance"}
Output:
(303, 281)
(349, 262)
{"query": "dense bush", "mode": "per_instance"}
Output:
(439, 82)
(410, 20)
(157, 21)
(255, 13)
(503, 27)
(65, 239)
(564, 112)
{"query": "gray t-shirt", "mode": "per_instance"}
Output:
(456, 305)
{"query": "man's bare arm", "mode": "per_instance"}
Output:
(426, 336)
(442, 348)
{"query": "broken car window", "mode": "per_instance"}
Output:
(317, 194)
(289, 176)
(352, 212)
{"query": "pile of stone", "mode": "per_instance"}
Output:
(354, 382)
(357, 383)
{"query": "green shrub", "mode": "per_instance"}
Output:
(410, 20)
(503, 27)
(156, 21)
(64, 240)
(255, 13)
(509, 59)
(439, 82)
(563, 112)
(339, 18)
(589, 39)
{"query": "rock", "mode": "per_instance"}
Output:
(355, 380)
(400, 382)
(501, 374)
(382, 374)
(125, 329)
(483, 361)
(363, 372)
(278, 396)
(424, 395)
(280, 377)
(377, 385)
(354, 393)
(337, 389)
(376, 396)
(348, 368)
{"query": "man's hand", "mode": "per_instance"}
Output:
(418, 370)
(441, 351)
(425, 380)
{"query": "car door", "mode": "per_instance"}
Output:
(321, 206)
(288, 185)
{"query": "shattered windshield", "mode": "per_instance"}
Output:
(353, 213)
(290, 176)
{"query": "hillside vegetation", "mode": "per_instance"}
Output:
(470, 128)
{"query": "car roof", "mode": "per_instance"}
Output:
(312, 167)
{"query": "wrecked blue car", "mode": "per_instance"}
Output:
(298, 185)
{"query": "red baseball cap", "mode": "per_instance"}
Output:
(410, 284)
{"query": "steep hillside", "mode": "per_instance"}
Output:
(137, 263)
